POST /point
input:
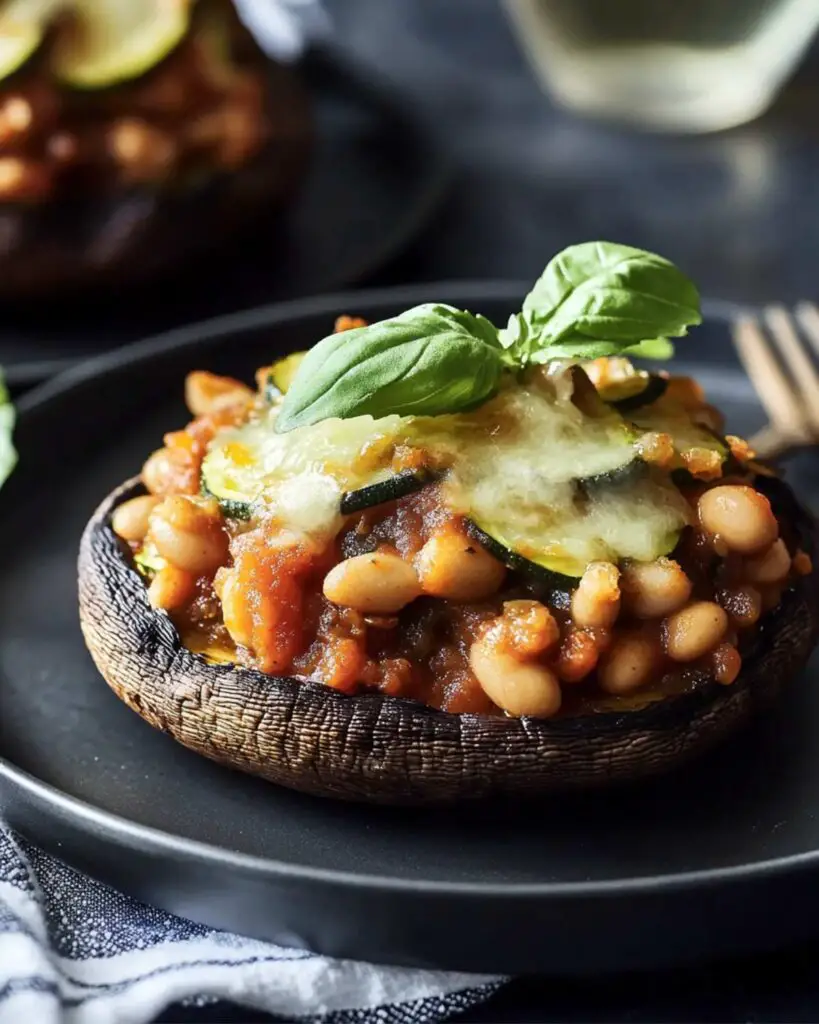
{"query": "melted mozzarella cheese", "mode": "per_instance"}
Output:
(529, 467)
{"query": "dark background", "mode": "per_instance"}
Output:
(739, 211)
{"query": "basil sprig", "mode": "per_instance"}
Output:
(601, 299)
(429, 360)
(8, 455)
(594, 299)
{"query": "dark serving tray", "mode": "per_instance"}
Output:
(723, 856)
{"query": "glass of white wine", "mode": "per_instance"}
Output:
(675, 65)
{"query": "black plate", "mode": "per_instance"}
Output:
(375, 180)
(722, 857)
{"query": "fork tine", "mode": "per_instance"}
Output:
(771, 385)
(769, 442)
(793, 351)
(808, 316)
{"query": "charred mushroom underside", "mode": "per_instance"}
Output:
(388, 750)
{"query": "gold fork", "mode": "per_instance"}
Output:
(777, 350)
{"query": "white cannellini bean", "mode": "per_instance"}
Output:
(380, 583)
(596, 602)
(771, 566)
(628, 664)
(452, 566)
(517, 687)
(189, 536)
(695, 630)
(739, 516)
(652, 590)
(130, 520)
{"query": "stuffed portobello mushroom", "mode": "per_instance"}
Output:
(132, 134)
(433, 559)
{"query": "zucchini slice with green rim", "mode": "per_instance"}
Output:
(641, 521)
(231, 507)
(625, 474)
(686, 435)
(392, 488)
(383, 490)
(148, 560)
(541, 573)
(114, 41)
(652, 387)
(281, 374)
(305, 477)
(21, 32)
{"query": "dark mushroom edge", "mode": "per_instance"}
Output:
(389, 750)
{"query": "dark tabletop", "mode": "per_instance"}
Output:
(778, 989)
(738, 210)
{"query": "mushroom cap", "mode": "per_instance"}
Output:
(389, 750)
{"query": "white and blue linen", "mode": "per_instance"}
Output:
(73, 951)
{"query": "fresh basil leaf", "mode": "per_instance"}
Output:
(575, 350)
(8, 455)
(525, 344)
(430, 360)
(595, 299)
(520, 338)
(600, 292)
(651, 348)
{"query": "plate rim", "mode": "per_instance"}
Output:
(148, 839)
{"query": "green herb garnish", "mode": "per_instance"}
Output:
(594, 299)
(8, 455)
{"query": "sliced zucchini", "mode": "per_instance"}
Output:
(542, 573)
(553, 486)
(22, 25)
(688, 437)
(648, 387)
(642, 522)
(113, 41)
(281, 375)
(301, 477)
(148, 560)
(518, 481)
(529, 439)
(623, 475)
(231, 507)
(390, 489)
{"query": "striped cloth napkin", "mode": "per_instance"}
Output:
(73, 951)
